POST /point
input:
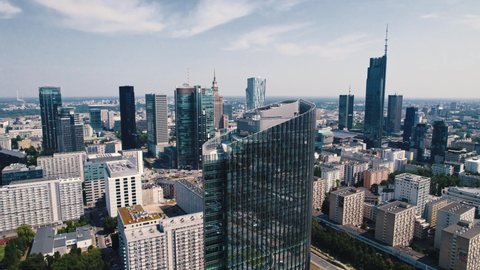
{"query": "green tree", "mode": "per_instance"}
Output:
(26, 232)
(110, 224)
(35, 261)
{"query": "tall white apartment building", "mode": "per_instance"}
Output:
(460, 247)
(319, 191)
(449, 215)
(354, 172)
(123, 185)
(40, 202)
(156, 241)
(332, 177)
(472, 165)
(413, 189)
(395, 223)
(431, 209)
(346, 206)
(94, 176)
(63, 165)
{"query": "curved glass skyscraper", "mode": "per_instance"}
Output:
(258, 190)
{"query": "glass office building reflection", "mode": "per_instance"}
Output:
(258, 190)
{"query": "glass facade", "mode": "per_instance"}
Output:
(69, 131)
(258, 192)
(255, 91)
(409, 123)
(374, 102)
(345, 112)
(194, 124)
(127, 117)
(394, 114)
(157, 121)
(50, 100)
(439, 140)
(419, 135)
(96, 119)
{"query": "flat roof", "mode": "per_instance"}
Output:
(346, 191)
(136, 214)
(396, 207)
(464, 229)
(17, 154)
(121, 168)
(456, 208)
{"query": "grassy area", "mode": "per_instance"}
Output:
(2, 252)
(314, 267)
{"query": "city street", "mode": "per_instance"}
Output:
(322, 263)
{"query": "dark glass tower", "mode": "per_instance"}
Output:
(417, 142)
(258, 190)
(409, 123)
(394, 113)
(69, 131)
(157, 122)
(439, 141)
(96, 119)
(194, 124)
(50, 99)
(345, 112)
(127, 117)
(374, 100)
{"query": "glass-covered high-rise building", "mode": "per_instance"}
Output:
(394, 114)
(69, 131)
(439, 141)
(128, 129)
(255, 92)
(194, 123)
(258, 190)
(157, 122)
(409, 123)
(417, 142)
(50, 100)
(96, 119)
(345, 112)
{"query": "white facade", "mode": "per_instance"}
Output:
(465, 195)
(450, 215)
(123, 185)
(188, 196)
(136, 157)
(40, 202)
(331, 176)
(63, 165)
(318, 194)
(5, 142)
(152, 195)
(160, 242)
(472, 165)
(413, 189)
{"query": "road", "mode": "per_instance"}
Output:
(325, 265)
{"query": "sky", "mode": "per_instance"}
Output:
(302, 47)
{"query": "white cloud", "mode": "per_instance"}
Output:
(262, 37)
(430, 16)
(7, 10)
(273, 37)
(470, 20)
(339, 48)
(108, 16)
(211, 13)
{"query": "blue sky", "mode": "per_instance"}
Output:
(302, 47)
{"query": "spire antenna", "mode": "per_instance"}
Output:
(386, 39)
(188, 75)
(349, 89)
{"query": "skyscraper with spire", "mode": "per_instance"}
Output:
(345, 111)
(217, 104)
(374, 99)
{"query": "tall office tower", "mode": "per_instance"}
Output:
(63, 165)
(50, 101)
(449, 215)
(413, 189)
(459, 247)
(127, 115)
(157, 122)
(40, 202)
(228, 110)
(245, 171)
(194, 124)
(345, 112)
(157, 241)
(123, 185)
(394, 113)
(96, 119)
(374, 100)
(409, 123)
(69, 131)
(417, 141)
(217, 104)
(395, 224)
(346, 206)
(255, 91)
(439, 141)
